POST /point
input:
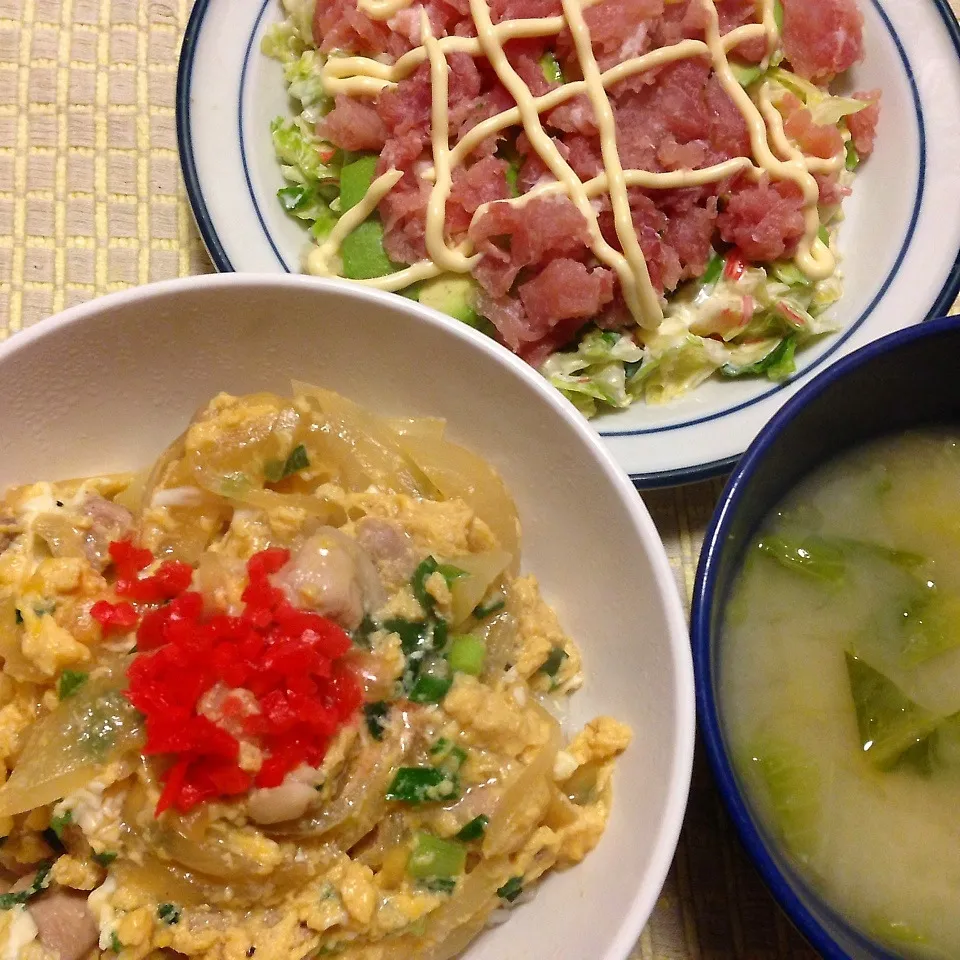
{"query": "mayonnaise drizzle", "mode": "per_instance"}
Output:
(640, 295)
(772, 153)
(382, 9)
(813, 256)
(437, 248)
(552, 157)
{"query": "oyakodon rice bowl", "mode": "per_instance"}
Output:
(656, 187)
(283, 694)
(286, 732)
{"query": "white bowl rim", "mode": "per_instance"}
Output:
(678, 637)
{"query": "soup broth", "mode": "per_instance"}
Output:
(840, 686)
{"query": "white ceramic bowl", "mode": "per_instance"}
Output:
(106, 385)
(899, 242)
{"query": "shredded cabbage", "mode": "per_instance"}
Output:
(681, 367)
(596, 371)
(304, 83)
(283, 42)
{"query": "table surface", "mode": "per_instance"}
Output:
(91, 201)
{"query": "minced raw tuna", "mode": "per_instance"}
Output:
(539, 271)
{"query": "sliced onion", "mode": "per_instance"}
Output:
(166, 882)
(460, 474)
(474, 900)
(158, 475)
(499, 634)
(131, 496)
(68, 748)
(244, 445)
(64, 538)
(323, 508)
(210, 854)
(159, 882)
(513, 810)
(360, 443)
(432, 427)
(483, 570)
(355, 811)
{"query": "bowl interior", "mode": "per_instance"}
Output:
(108, 385)
(905, 380)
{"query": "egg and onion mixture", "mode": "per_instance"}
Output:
(361, 576)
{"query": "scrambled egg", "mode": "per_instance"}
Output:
(410, 545)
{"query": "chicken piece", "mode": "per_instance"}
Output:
(64, 922)
(331, 574)
(389, 546)
(109, 521)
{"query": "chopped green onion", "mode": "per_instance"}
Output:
(361, 636)
(277, 470)
(483, 610)
(475, 829)
(19, 615)
(413, 634)
(169, 913)
(105, 858)
(451, 756)
(376, 716)
(433, 681)
(115, 945)
(466, 654)
(70, 682)
(433, 858)
(41, 881)
(415, 785)
(551, 665)
(57, 824)
(511, 889)
(440, 884)
(511, 174)
(422, 574)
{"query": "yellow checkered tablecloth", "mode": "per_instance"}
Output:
(91, 201)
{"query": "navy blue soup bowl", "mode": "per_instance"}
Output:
(908, 379)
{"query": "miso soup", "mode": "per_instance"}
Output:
(840, 686)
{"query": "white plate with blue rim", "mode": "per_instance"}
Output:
(899, 242)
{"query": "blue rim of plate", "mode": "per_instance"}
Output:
(704, 590)
(664, 478)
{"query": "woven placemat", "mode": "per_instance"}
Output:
(91, 201)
